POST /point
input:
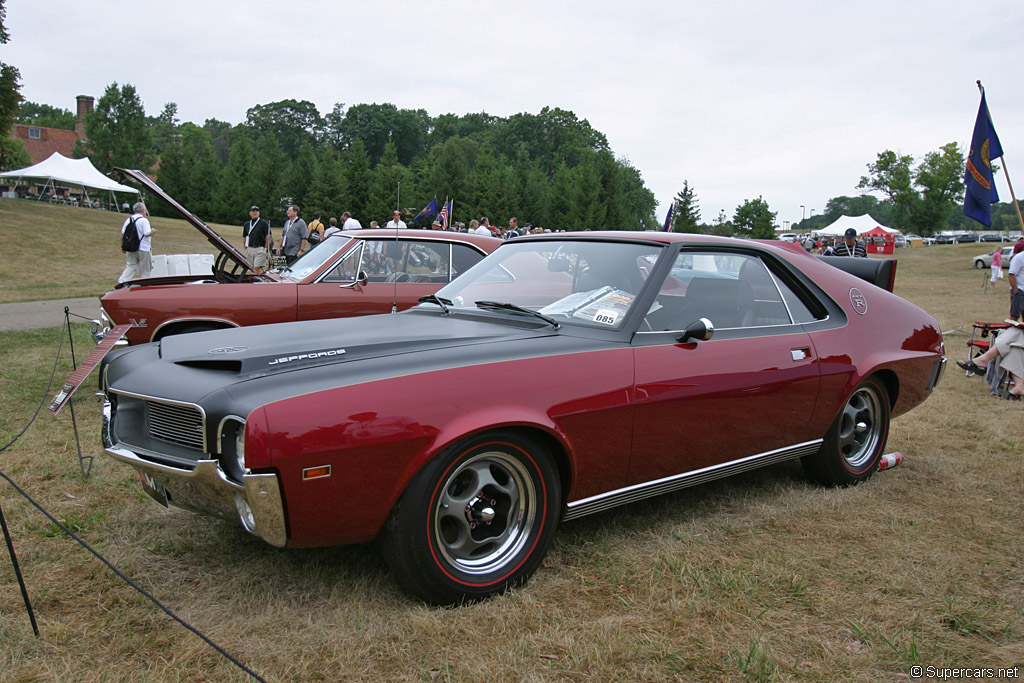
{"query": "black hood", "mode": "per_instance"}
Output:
(260, 364)
(272, 349)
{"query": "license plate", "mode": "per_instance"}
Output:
(153, 488)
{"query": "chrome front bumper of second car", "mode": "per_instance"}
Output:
(206, 489)
(102, 326)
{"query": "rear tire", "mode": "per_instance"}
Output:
(475, 521)
(854, 443)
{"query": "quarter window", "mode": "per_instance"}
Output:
(729, 289)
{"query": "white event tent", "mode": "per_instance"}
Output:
(861, 224)
(75, 173)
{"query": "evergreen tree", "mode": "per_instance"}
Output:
(204, 169)
(561, 211)
(300, 177)
(357, 178)
(687, 212)
(588, 210)
(270, 168)
(388, 178)
(236, 191)
(326, 191)
(117, 132)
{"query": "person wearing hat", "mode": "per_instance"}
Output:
(396, 222)
(256, 233)
(850, 246)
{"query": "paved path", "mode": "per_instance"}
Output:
(34, 315)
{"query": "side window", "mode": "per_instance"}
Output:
(463, 258)
(731, 290)
(427, 261)
(348, 268)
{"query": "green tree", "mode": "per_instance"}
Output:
(236, 191)
(754, 219)
(11, 154)
(293, 122)
(388, 177)
(923, 199)
(164, 128)
(326, 191)
(117, 132)
(377, 125)
(722, 225)
(300, 176)
(357, 175)
(687, 211)
(204, 170)
(270, 168)
(34, 114)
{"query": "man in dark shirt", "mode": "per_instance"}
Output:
(256, 232)
(850, 246)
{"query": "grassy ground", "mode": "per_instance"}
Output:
(761, 577)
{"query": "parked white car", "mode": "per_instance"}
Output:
(985, 260)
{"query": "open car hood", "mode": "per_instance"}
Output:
(231, 264)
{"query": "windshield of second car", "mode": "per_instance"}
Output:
(581, 282)
(315, 257)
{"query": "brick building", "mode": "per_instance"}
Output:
(41, 142)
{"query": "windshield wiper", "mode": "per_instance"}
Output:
(434, 299)
(499, 306)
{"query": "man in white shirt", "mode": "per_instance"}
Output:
(138, 262)
(396, 222)
(477, 229)
(349, 223)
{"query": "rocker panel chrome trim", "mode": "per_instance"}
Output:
(649, 489)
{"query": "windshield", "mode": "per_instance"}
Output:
(315, 257)
(571, 281)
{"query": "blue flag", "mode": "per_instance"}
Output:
(428, 210)
(981, 190)
(668, 217)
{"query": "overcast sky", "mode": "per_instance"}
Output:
(785, 100)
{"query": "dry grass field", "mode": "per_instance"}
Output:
(764, 577)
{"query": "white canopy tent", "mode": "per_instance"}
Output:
(861, 224)
(74, 173)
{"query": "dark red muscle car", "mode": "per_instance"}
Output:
(560, 376)
(348, 274)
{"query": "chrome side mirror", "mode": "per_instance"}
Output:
(699, 330)
(361, 279)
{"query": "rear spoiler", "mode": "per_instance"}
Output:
(879, 272)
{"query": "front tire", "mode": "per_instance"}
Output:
(475, 521)
(854, 443)
(979, 264)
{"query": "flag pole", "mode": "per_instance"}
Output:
(1006, 172)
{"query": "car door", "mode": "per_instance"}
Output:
(398, 272)
(748, 391)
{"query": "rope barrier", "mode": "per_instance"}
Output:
(14, 561)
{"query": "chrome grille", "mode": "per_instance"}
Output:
(182, 425)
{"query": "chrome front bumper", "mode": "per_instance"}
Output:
(206, 489)
(102, 326)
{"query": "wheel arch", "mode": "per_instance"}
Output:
(183, 326)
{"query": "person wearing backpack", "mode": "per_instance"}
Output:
(137, 244)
